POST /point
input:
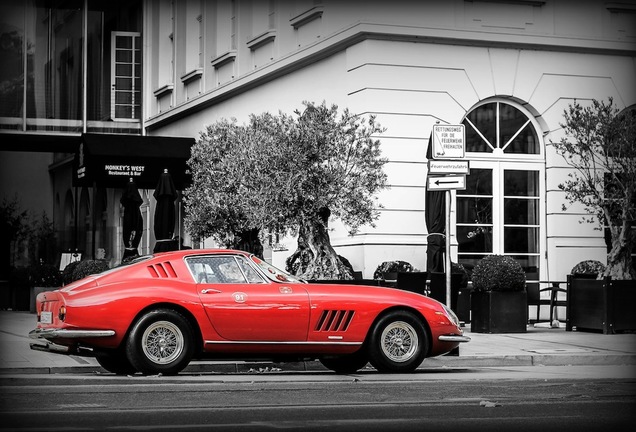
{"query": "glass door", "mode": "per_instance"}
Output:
(499, 213)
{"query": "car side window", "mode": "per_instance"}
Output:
(222, 269)
(251, 274)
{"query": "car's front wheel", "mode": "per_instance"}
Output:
(161, 341)
(115, 362)
(398, 343)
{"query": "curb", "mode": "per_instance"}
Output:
(315, 366)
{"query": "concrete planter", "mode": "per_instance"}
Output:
(499, 312)
(604, 305)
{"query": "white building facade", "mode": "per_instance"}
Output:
(505, 69)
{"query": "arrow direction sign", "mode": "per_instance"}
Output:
(447, 182)
(448, 167)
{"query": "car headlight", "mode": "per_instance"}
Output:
(451, 315)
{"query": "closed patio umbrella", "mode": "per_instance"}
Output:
(435, 203)
(133, 221)
(165, 194)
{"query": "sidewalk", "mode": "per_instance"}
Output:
(541, 345)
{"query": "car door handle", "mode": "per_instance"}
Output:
(210, 291)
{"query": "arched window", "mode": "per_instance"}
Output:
(498, 127)
(500, 211)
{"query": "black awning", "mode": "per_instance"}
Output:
(109, 160)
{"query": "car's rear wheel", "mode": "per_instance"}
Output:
(161, 341)
(115, 362)
(398, 343)
(346, 364)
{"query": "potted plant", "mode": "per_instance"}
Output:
(604, 304)
(387, 273)
(588, 269)
(388, 270)
(42, 277)
(499, 301)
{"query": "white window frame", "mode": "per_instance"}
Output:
(498, 162)
(113, 76)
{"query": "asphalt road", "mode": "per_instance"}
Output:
(489, 399)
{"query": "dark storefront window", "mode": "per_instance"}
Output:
(51, 35)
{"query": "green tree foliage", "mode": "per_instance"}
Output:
(600, 146)
(215, 202)
(288, 174)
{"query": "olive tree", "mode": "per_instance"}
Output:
(216, 202)
(339, 171)
(287, 174)
(600, 146)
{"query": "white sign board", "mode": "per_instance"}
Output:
(449, 141)
(446, 182)
(448, 167)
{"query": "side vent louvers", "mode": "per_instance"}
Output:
(162, 270)
(334, 320)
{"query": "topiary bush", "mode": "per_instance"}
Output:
(67, 273)
(590, 267)
(498, 273)
(392, 267)
(89, 267)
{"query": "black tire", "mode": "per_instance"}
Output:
(160, 342)
(398, 343)
(115, 362)
(346, 364)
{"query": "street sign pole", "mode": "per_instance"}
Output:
(448, 152)
(448, 247)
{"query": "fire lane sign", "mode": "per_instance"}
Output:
(448, 167)
(447, 182)
(449, 141)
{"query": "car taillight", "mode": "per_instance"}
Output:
(62, 313)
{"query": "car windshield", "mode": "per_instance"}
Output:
(273, 273)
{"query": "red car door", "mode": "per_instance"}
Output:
(243, 306)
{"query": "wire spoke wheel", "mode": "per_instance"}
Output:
(162, 342)
(399, 341)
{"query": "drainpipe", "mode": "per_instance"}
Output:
(84, 64)
(25, 64)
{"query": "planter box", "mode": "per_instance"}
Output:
(412, 281)
(438, 288)
(603, 305)
(499, 312)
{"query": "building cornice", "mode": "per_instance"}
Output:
(361, 31)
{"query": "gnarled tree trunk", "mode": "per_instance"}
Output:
(315, 258)
(619, 258)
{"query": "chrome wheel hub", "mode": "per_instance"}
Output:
(162, 342)
(399, 341)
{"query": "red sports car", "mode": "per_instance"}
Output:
(157, 313)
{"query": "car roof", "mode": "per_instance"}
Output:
(185, 252)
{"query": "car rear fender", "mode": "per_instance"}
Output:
(175, 307)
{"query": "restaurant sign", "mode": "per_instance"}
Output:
(113, 160)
